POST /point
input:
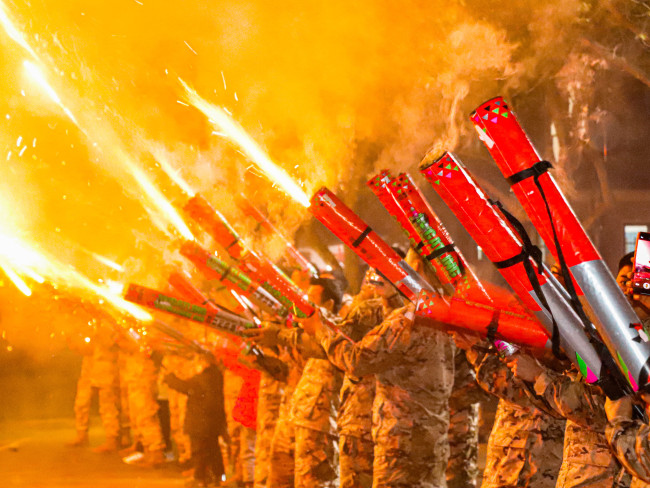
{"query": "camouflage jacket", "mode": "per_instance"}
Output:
(358, 394)
(587, 460)
(525, 446)
(315, 399)
(409, 358)
(630, 441)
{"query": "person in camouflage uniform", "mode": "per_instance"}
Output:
(83, 401)
(268, 408)
(409, 357)
(141, 375)
(525, 445)
(231, 385)
(462, 469)
(282, 463)
(629, 439)
(104, 378)
(315, 398)
(587, 460)
(366, 311)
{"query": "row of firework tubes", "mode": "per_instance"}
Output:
(606, 347)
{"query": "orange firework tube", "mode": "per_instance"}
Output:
(356, 234)
(502, 246)
(214, 268)
(253, 264)
(249, 209)
(565, 237)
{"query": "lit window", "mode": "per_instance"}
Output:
(631, 231)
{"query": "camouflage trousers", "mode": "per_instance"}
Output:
(143, 410)
(83, 398)
(462, 469)
(316, 464)
(177, 409)
(417, 458)
(108, 410)
(356, 456)
(246, 455)
(282, 465)
(268, 408)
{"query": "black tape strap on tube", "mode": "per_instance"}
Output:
(530, 251)
(226, 273)
(357, 242)
(493, 326)
(419, 246)
(232, 243)
(440, 251)
(451, 247)
(535, 171)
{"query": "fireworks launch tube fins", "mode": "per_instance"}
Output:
(214, 268)
(556, 222)
(356, 234)
(503, 246)
(255, 265)
(179, 337)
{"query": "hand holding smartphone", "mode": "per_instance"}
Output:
(641, 277)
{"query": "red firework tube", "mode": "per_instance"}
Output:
(181, 282)
(535, 188)
(256, 266)
(277, 284)
(405, 201)
(356, 234)
(249, 209)
(500, 243)
(214, 317)
(215, 224)
(214, 268)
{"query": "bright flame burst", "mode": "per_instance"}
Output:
(154, 195)
(174, 175)
(12, 32)
(19, 258)
(37, 76)
(161, 202)
(233, 131)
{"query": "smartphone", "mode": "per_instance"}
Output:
(641, 277)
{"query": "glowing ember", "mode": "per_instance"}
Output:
(233, 131)
(37, 76)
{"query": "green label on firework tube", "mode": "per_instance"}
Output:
(179, 307)
(430, 238)
(228, 272)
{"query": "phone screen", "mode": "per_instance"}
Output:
(641, 279)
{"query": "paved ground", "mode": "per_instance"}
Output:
(33, 455)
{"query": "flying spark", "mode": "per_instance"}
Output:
(250, 148)
(37, 76)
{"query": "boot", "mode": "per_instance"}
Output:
(152, 459)
(80, 441)
(111, 445)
